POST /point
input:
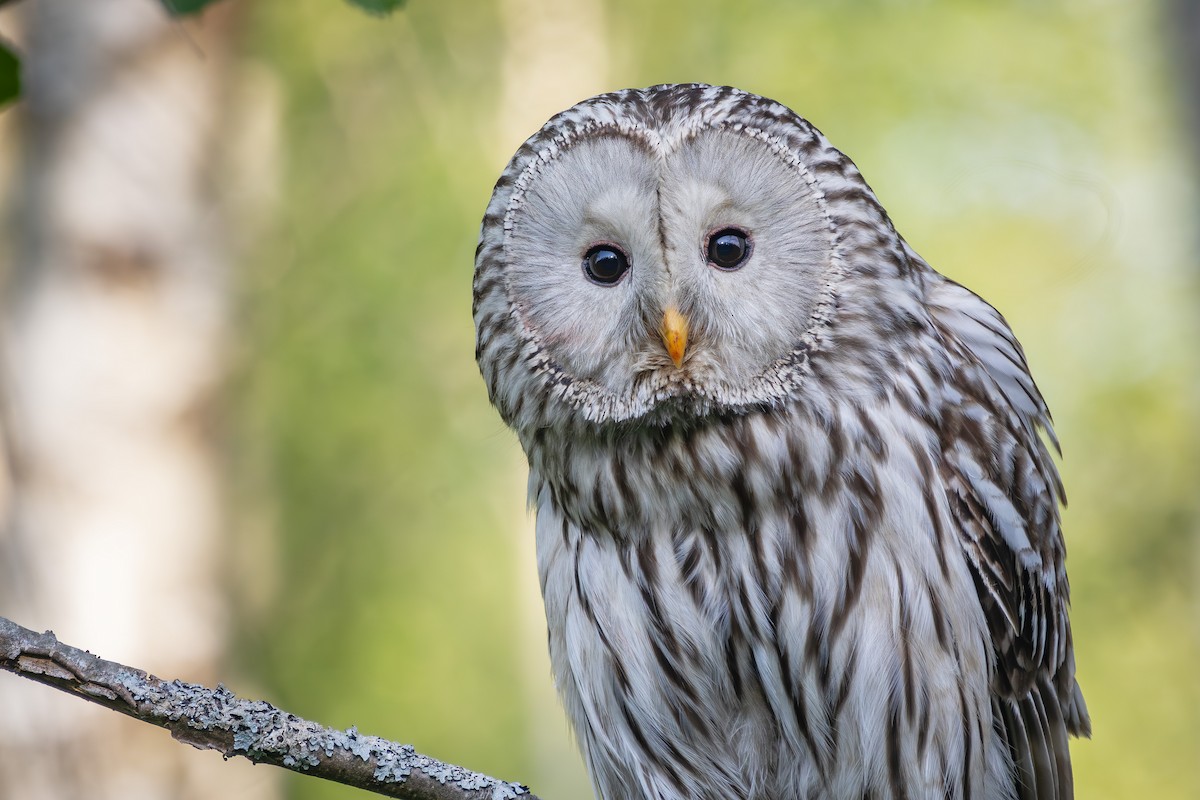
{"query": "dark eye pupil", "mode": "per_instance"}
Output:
(727, 249)
(605, 264)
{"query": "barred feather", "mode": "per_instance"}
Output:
(822, 557)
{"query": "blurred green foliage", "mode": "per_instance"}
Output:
(378, 7)
(1029, 150)
(10, 75)
(182, 8)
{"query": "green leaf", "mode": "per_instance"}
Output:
(10, 75)
(182, 8)
(379, 8)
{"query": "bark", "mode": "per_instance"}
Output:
(115, 308)
(215, 719)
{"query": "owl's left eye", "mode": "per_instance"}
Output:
(728, 248)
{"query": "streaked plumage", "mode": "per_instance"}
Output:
(819, 557)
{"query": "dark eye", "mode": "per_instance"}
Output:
(605, 264)
(728, 248)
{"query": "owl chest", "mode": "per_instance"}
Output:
(773, 645)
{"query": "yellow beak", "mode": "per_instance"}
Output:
(674, 334)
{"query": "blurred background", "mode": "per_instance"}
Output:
(245, 439)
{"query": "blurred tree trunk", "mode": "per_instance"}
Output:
(115, 308)
(1183, 29)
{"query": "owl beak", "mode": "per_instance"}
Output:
(674, 334)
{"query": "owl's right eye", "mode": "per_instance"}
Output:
(605, 264)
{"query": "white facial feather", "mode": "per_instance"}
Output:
(748, 318)
(600, 190)
(660, 200)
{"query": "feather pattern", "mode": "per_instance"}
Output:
(821, 556)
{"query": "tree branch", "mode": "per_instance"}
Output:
(215, 719)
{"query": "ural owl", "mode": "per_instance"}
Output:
(797, 528)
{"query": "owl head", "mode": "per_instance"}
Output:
(681, 249)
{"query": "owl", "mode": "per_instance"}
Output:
(797, 520)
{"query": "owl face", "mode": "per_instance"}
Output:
(656, 247)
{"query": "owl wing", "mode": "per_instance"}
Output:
(1004, 494)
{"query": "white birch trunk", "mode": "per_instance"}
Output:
(115, 306)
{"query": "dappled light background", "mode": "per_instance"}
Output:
(381, 550)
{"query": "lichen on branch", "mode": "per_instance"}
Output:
(216, 719)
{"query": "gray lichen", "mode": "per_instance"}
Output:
(217, 719)
(259, 728)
